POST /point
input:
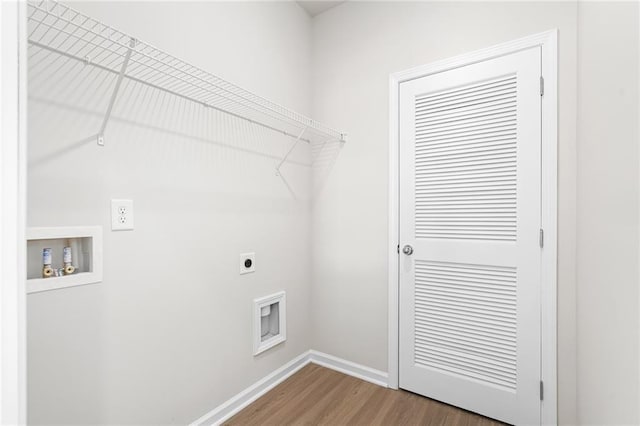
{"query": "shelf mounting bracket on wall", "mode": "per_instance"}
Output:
(114, 94)
(295, 143)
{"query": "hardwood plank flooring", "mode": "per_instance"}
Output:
(319, 396)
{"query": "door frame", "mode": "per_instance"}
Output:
(13, 144)
(548, 42)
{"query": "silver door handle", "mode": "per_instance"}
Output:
(408, 250)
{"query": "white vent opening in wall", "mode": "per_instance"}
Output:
(269, 322)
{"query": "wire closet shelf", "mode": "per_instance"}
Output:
(57, 28)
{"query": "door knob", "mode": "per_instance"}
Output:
(408, 250)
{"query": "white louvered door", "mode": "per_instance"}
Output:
(470, 191)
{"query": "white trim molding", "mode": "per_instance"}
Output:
(237, 403)
(548, 42)
(359, 371)
(12, 212)
(638, 94)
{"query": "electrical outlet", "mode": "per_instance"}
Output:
(247, 263)
(121, 215)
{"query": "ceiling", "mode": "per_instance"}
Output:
(314, 8)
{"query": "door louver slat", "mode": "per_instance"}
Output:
(465, 320)
(466, 160)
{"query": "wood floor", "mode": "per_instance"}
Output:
(318, 396)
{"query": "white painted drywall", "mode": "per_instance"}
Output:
(167, 336)
(607, 213)
(356, 46)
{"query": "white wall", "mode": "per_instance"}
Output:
(166, 336)
(356, 46)
(608, 213)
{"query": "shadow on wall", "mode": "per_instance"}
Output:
(68, 101)
(324, 156)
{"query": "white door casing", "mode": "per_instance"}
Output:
(13, 97)
(470, 206)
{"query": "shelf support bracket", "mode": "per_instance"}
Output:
(295, 143)
(114, 95)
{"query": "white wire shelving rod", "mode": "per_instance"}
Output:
(112, 101)
(61, 30)
(293, 146)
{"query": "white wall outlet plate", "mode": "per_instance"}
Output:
(121, 215)
(247, 263)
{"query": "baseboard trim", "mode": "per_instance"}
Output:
(234, 405)
(360, 371)
(240, 401)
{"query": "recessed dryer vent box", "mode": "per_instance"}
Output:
(269, 322)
